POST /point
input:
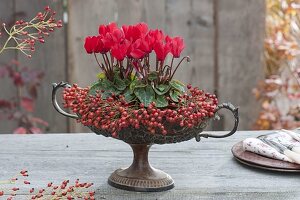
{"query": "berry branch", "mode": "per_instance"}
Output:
(63, 191)
(23, 35)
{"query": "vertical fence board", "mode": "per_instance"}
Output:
(154, 13)
(129, 12)
(49, 57)
(6, 86)
(201, 35)
(241, 33)
(178, 17)
(82, 67)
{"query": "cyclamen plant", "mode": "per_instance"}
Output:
(126, 50)
(132, 93)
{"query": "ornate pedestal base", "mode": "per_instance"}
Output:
(140, 176)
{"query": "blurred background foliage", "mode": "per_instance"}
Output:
(279, 92)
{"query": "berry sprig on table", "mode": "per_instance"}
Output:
(115, 113)
(63, 191)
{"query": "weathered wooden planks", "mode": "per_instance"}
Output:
(204, 170)
(6, 87)
(241, 33)
(51, 58)
(239, 50)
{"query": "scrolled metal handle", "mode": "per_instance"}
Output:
(235, 112)
(54, 101)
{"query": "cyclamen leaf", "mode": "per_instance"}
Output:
(140, 85)
(105, 85)
(177, 85)
(163, 87)
(160, 92)
(129, 96)
(174, 94)
(94, 88)
(153, 76)
(120, 84)
(161, 101)
(145, 95)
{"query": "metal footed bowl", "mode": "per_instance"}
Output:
(141, 176)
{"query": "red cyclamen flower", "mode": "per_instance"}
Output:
(104, 29)
(119, 51)
(161, 50)
(177, 45)
(103, 45)
(90, 44)
(134, 32)
(135, 50)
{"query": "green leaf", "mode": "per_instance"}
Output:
(132, 86)
(145, 95)
(153, 76)
(161, 101)
(174, 94)
(161, 89)
(105, 85)
(101, 76)
(129, 96)
(139, 84)
(94, 88)
(127, 81)
(177, 85)
(119, 83)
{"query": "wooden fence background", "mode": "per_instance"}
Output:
(224, 39)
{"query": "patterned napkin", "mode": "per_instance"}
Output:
(257, 146)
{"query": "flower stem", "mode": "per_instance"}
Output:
(187, 59)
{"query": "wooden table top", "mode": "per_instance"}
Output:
(204, 170)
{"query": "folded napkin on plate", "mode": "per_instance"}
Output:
(257, 146)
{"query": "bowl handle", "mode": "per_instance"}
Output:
(54, 101)
(235, 112)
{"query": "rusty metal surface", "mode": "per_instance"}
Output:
(141, 176)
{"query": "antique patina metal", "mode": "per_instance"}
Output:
(140, 176)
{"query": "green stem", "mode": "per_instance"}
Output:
(5, 44)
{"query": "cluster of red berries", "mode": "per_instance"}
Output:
(26, 34)
(62, 191)
(114, 113)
